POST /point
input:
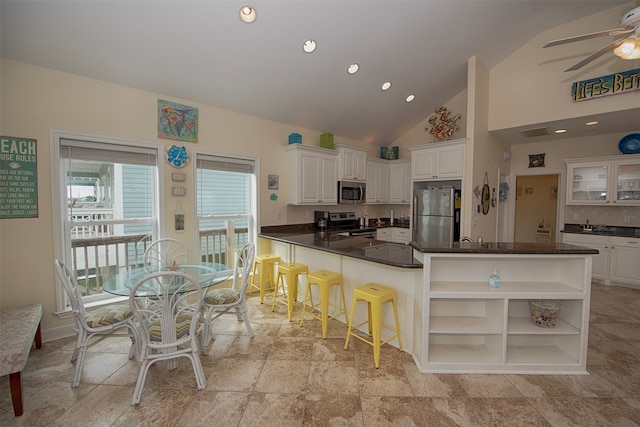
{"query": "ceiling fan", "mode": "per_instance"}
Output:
(625, 48)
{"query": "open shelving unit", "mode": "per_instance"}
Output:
(469, 327)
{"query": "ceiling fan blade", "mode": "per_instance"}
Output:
(614, 44)
(614, 32)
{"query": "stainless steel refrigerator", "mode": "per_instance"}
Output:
(436, 216)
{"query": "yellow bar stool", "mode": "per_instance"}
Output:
(324, 279)
(375, 295)
(291, 272)
(263, 270)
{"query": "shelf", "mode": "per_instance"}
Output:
(531, 290)
(540, 355)
(462, 325)
(473, 328)
(523, 326)
(462, 354)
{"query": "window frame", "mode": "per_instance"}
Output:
(59, 184)
(254, 206)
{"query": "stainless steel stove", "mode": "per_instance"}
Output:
(343, 219)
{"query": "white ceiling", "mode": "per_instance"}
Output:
(201, 51)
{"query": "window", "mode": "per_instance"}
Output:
(106, 209)
(226, 206)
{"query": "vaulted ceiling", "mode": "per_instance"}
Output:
(202, 52)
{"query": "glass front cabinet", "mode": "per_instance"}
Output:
(604, 181)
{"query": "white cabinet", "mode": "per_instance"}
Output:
(394, 234)
(352, 162)
(400, 182)
(604, 181)
(401, 235)
(384, 234)
(470, 327)
(316, 175)
(624, 263)
(377, 181)
(600, 263)
(439, 161)
(618, 260)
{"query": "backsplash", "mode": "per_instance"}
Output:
(606, 215)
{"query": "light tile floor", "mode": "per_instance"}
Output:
(290, 376)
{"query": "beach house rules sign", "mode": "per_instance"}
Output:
(18, 178)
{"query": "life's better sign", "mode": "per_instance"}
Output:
(613, 84)
(18, 178)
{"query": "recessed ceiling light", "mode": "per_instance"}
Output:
(353, 68)
(560, 131)
(386, 85)
(247, 14)
(309, 45)
(593, 123)
(410, 98)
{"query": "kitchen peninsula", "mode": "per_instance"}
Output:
(450, 319)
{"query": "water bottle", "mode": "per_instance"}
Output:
(494, 279)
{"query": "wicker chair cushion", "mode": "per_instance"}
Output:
(222, 296)
(108, 315)
(183, 322)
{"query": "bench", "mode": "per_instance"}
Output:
(19, 326)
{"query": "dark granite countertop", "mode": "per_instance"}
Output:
(506, 248)
(394, 254)
(602, 230)
(400, 255)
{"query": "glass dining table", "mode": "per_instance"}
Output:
(208, 274)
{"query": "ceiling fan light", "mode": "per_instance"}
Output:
(635, 54)
(626, 48)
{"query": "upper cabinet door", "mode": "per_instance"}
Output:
(377, 181)
(444, 160)
(625, 181)
(352, 162)
(608, 181)
(588, 183)
(400, 182)
(316, 175)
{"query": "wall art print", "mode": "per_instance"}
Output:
(177, 121)
(536, 160)
(18, 177)
(273, 182)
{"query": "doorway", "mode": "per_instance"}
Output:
(537, 208)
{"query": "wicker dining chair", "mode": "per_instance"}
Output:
(106, 321)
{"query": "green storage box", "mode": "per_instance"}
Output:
(326, 140)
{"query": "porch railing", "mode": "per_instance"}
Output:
(96, 259)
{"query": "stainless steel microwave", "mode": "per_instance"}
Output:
(350, 192)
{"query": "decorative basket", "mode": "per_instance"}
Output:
(544, 313)
(389, 153)
(295, 138)
(326, 140)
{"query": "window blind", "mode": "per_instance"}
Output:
(114, 153)
(227, 164)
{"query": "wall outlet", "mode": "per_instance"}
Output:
(307, 214)
(576, 216)
(278, 214)
(626, 218)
